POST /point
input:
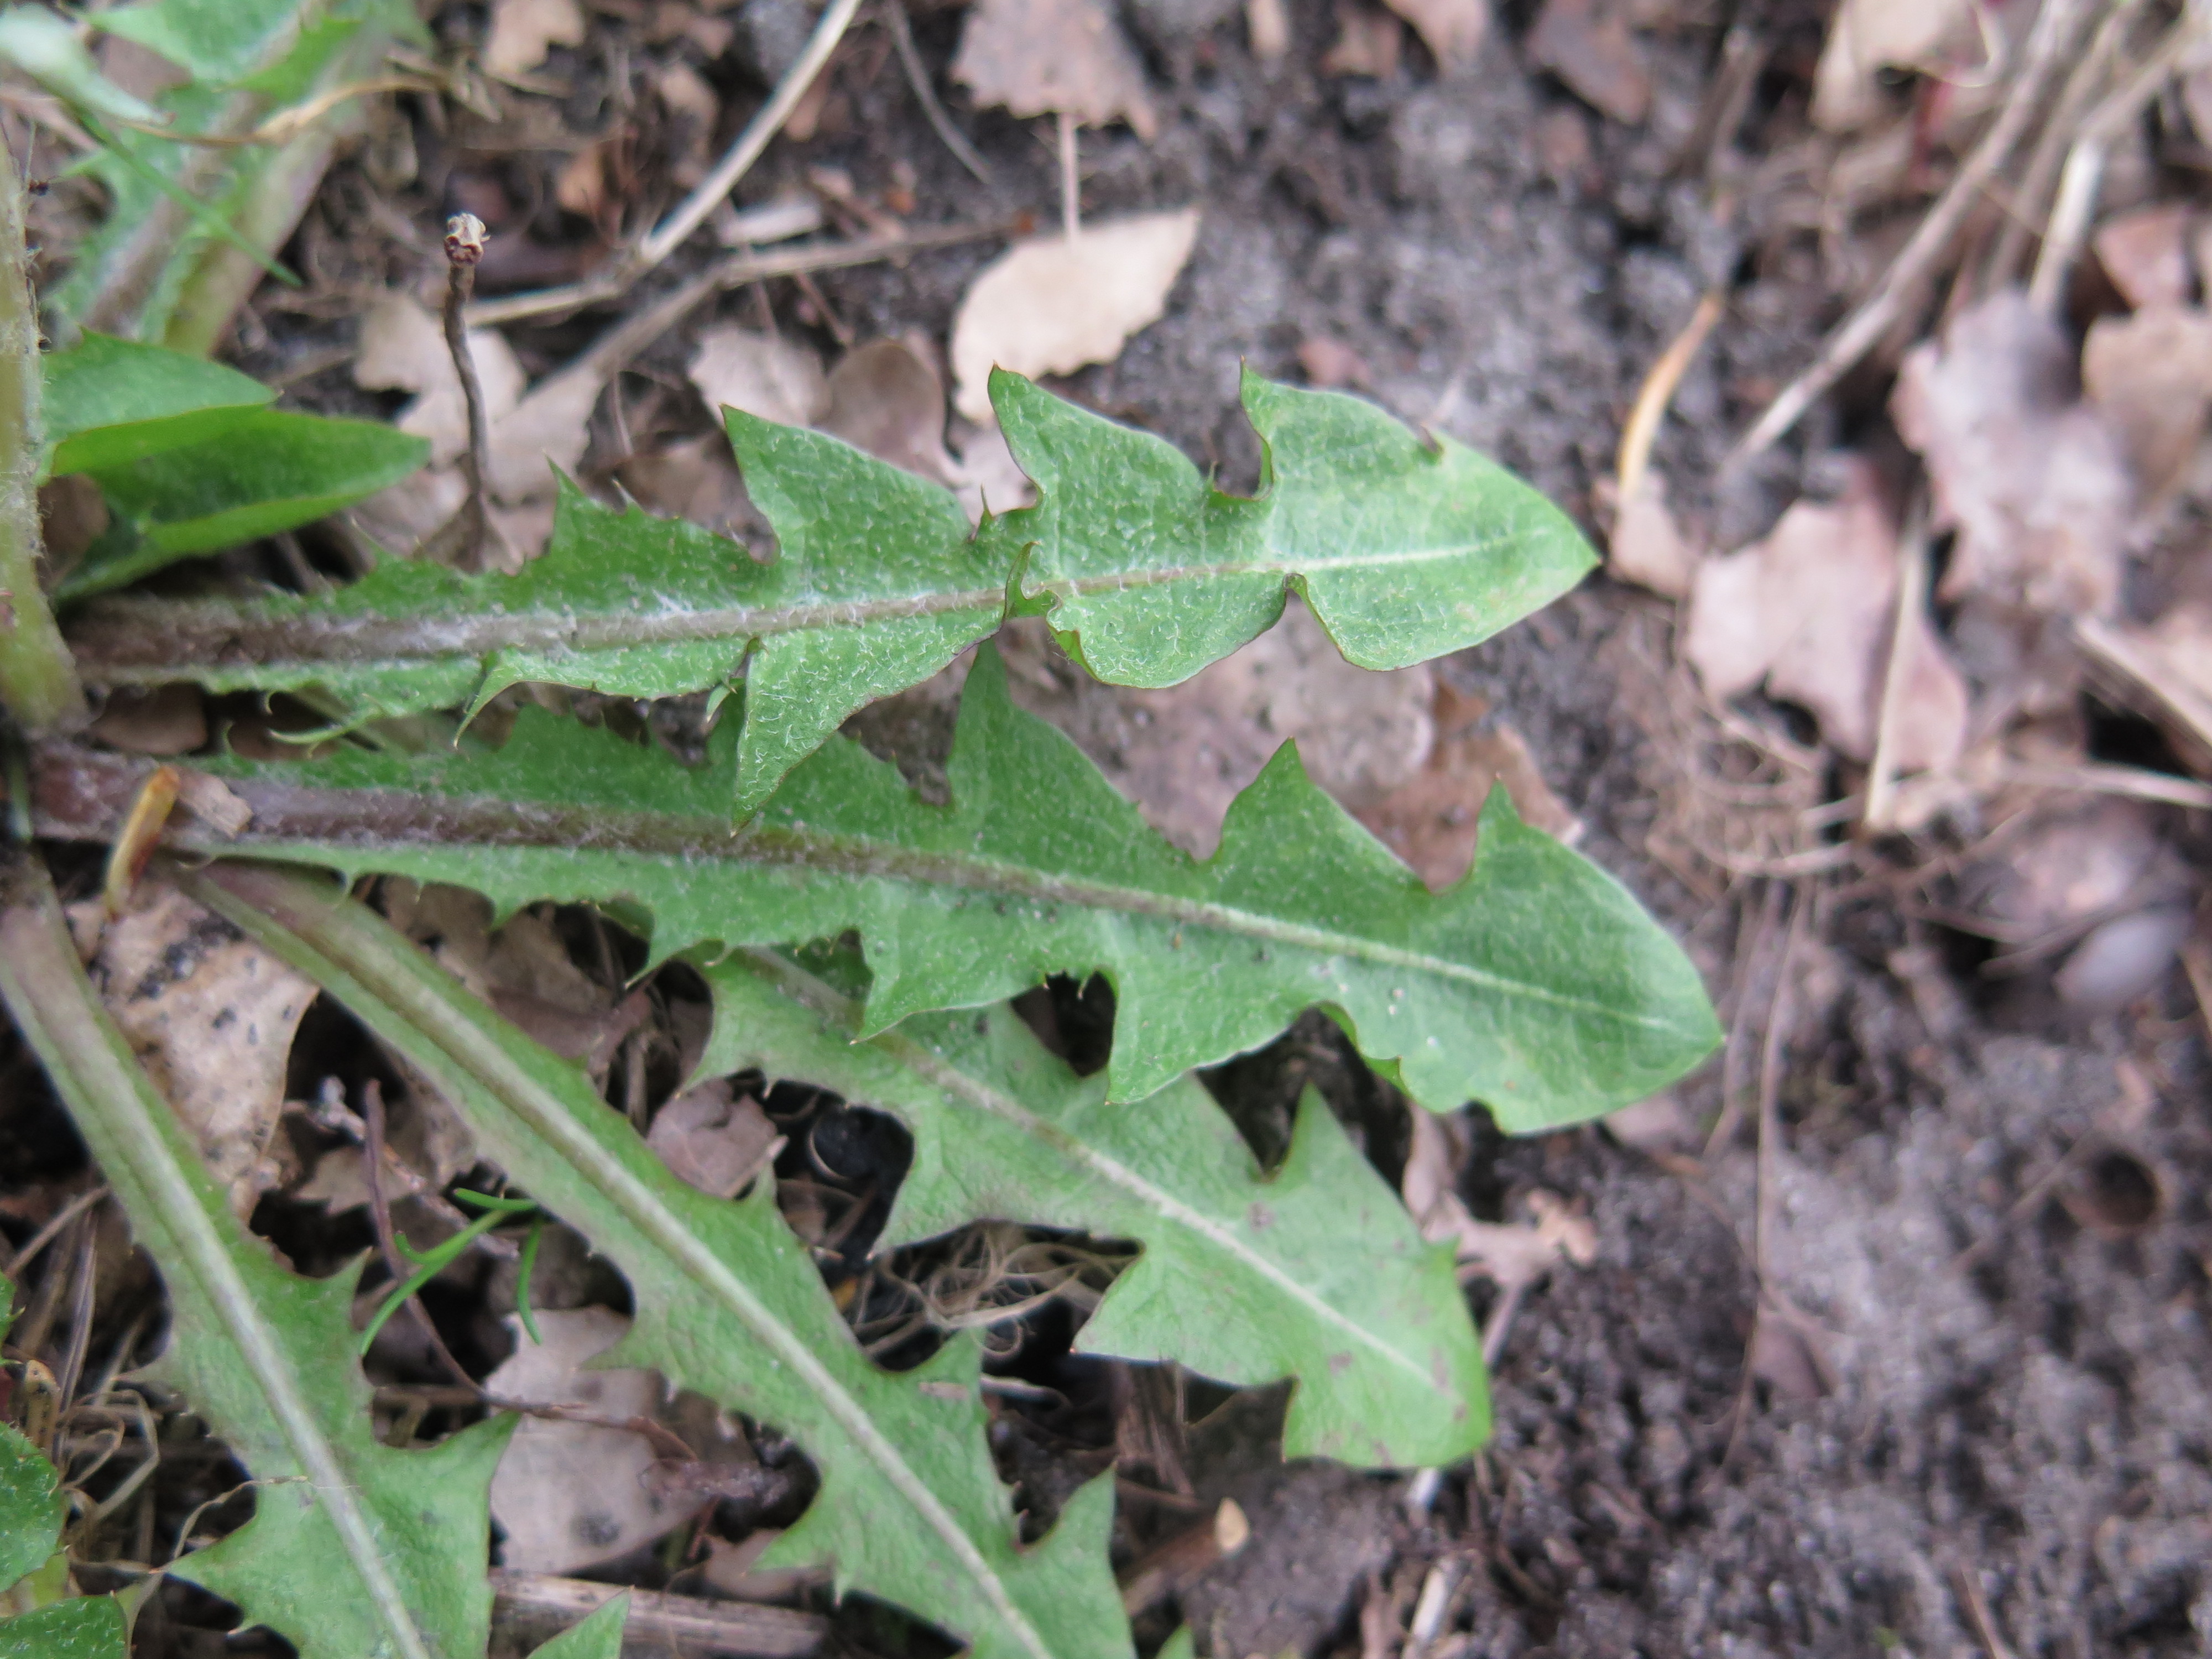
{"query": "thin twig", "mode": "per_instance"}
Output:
(607, 355)
(739, 269)
(901, 29)
(1071, 182)
(2043, 160)
(2103, 778)
(82, 1280)
(1911, 585)
(691, 213)
(46, 1235)
(1642, 430)
(2084, 172)
(465, 247)
(1766, 1165)
(2047, 42)
(1731, 1113)
(1977, 1610)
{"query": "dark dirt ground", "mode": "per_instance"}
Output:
(1999, 1408)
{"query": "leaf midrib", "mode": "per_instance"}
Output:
(140, 1144)
(354, 827)
(132, 643)
(363, 956)
(950, 1079)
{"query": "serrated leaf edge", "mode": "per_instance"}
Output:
(823, 1001)
(297, 919)
(92, 1067)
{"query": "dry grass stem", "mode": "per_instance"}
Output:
(2056, 26)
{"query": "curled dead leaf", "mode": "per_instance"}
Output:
(1647, 546)
(2146, 253)
(1512, 1254)
(1369, 41)
(713, 1139)
(887, 398)
(1453, 30)
(162, 720)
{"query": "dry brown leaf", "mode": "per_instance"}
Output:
(731, 1569)
(1043, 56)
(762, 374)
(988, 476)
(213, 802)
(580, 187)
(524, 31)
(524, 970)
(1587, 45)
(1647, 546)
(1453, 30)
(1788, 1356)
(399, 519)
(712, 1139)
(1811, 610)
(695, 479)
(1431, 821)
(886, 398)
(1869, 36)
(1369, 41)
(2032, 479)
(550, 427)
(2071, 862)
(1331, 364)
(1050, 304)
(1183, 754)
(687, 95)
(2146, 253)
(2150, 373)
(1267, 30)
(1515, 1257)
(569, 1495)
(211, 1016)
(167, 719)
(1659, 1126)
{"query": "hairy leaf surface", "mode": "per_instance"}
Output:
(1313, 1272)
(134, 274)
(1537, 985)
(82, 1627)
(354, 1548)
(1403, 550)
(30, 1506)
(729, 1304)
(110, 403)
(266, 470)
